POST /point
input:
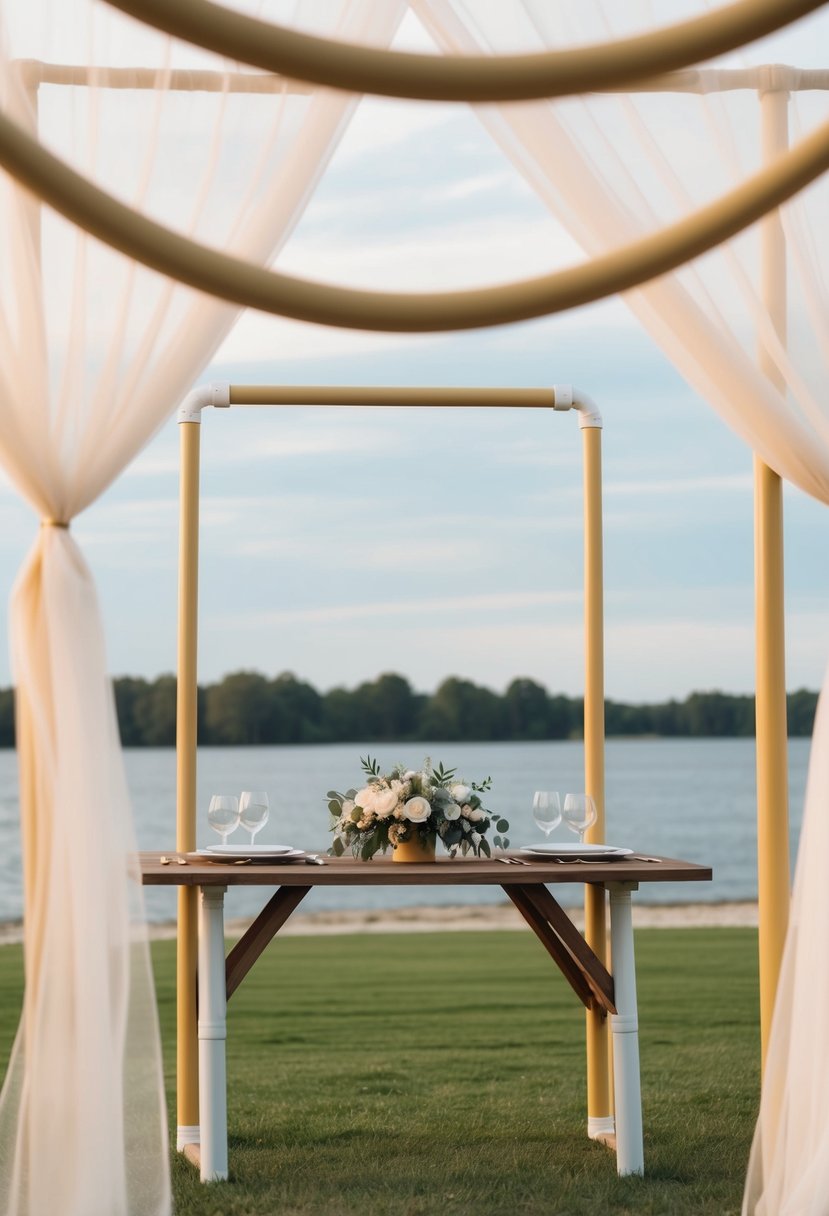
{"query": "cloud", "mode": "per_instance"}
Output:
(465, 604)
(741, 482)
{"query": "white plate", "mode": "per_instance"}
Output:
(250, 850)
(255, 852)
(576, 852)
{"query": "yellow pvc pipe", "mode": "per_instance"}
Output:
(599, 1098)
(186, 738)
(771, 726)
(241, 282)
(391, 395)
(364, 69)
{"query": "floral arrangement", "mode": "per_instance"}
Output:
(406, 804)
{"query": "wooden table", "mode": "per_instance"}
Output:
(526, 885)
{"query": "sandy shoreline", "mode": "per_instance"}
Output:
(464, 918)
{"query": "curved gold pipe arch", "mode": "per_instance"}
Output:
(238, 281)
(472, 78)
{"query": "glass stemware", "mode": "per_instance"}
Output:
(223, 814)
(253, 811)
(547, 810)
(579, 813)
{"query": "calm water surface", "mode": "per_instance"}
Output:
(691, 798)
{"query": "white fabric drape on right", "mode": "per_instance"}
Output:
(94, 354)
(612, 169)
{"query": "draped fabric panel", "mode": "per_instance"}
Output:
(95, 353)
(611, 168)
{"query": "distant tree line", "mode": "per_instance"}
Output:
(249, 708)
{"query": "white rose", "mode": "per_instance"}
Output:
(365, 797)
(476, 814)
(451, 810)
(417, 810)
(385, 801)
(461, 793)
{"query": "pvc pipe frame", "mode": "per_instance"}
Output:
(560, 398)
(252, 286)
(770, 647)
(599, 1098)
(470, 78)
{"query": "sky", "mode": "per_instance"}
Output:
(341, 544)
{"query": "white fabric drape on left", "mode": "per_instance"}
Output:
(94, 354)
(614, 168)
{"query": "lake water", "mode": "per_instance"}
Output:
(690, 798)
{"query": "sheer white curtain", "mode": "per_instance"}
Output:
(95, 353)
(612, 168)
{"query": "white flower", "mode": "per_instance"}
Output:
(451, 810)
(410, 775)
(475, 814)
(386, 800)
(417, 810)
(461, 793)
(466, 810)
(365, 797)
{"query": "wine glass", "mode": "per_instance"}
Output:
(547, 810)
(223, 814)
(253, 811)
(579, 813)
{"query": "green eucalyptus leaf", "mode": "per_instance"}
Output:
(502, 825)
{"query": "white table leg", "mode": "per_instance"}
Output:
(624, 1026)
(212, 1035)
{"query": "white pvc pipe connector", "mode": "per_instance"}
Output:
(187, 1134)
(566, 397)
(212, 1035)
(202, 396)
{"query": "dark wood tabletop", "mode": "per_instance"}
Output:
(467, 871)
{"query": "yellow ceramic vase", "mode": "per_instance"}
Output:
(415, 850)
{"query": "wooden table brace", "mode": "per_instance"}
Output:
(257, 936)
(586, 974)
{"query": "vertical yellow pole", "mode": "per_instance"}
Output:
(599, 1099)
(772, 759)
(186, 723)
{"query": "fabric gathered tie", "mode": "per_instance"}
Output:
(53, 523)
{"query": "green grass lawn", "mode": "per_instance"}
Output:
(444, 1074)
